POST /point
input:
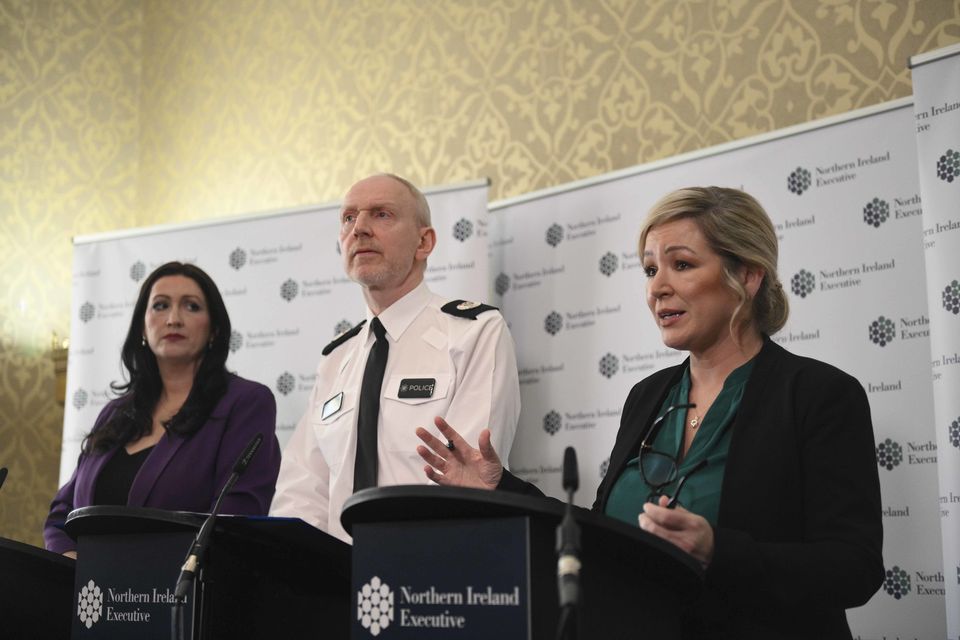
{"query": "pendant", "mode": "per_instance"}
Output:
(695, 421)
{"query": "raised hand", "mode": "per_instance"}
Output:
(455, 463)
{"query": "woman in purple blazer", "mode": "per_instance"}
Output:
(170, 440)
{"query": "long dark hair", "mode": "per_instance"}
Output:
(133, 418)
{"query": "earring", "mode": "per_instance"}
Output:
(143, 341)
(210, 344)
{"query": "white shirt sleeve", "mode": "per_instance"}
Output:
(488, 388)
(303, 487)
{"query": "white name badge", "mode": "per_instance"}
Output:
(331, 406)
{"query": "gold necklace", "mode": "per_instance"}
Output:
(695, 421)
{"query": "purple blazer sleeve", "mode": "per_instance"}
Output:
(54, 538)
(63, 503)
(253, 412)
(187, 473)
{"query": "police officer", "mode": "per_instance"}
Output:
(414, 358)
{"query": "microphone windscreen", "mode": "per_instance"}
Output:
(571, 476)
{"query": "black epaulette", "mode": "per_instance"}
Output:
(343, 337)
(466, 309)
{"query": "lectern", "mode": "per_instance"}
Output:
(463, 563)
(262, 577)
(36, 592)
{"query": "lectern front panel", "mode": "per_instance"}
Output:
(124, 586)
(452, 579)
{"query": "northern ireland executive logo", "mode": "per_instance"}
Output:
(236, 341)
(889, 454)
(285, 383)
(951, 297)
(609, 365)
(137, 271)
(896, 582)
(876, 212)
(90, 604)
(608, 264)
(342, 327)
(948, 166)
(289, 290)
(882, 331)
(238, 258)
(80, 398)
(87, 311)
(798, 181)
(554, 235)
(502, 284)
(552, 422)
(553, 323)
(802, 283)
(463, 229)
(953, 433)
(375, 606)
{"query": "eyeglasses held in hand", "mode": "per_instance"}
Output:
(659, 469)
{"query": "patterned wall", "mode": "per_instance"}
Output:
(248, 105)
(69, 126)
(259, 104)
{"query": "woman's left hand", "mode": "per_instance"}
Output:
(690, 532)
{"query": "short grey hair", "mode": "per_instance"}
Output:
(420, 200)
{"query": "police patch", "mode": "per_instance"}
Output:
(416, 388)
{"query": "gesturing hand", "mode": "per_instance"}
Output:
(461, 465)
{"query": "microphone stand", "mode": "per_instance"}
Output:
(568, 548)
(191, 565)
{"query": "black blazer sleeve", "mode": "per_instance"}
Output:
(800, 525)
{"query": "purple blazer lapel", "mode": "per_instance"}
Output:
(87, 476)
(152, 467)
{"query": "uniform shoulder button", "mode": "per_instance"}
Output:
(466, 309)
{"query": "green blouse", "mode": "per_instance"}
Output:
(701, 493)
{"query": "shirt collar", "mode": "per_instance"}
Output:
(398, 316)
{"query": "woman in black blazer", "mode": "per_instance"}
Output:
(757, 462)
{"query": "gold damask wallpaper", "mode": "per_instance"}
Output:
(69, 127)
(116, 113)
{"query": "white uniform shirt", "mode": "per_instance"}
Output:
(476, 386)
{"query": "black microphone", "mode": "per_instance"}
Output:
(240, 466)
(571, 475)
(189, 570)
(3, 475)
(568, 546)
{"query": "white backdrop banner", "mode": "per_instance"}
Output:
(844, 197)
(282, 279)
(936, 85)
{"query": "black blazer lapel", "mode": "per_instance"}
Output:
(639, 411)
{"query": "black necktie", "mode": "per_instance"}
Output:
(365, 468)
